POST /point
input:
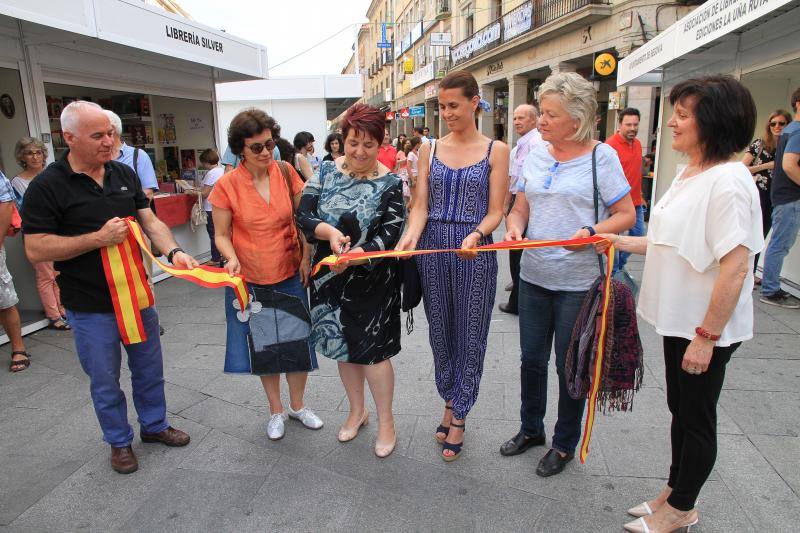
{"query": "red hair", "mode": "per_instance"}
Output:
(364, 118)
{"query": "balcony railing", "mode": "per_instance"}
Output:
(519, 21)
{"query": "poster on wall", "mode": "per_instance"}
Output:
(188, 160)
(196, 123)
(166, 129)
(172, 162)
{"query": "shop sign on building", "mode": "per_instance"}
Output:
(431, 90)
(408, 65)
(482, 40)
(441, 39)
(517, 21)
(389, 115)
(648, 57)
(422, 75)
(404, 113)
(494, 68)
(416, 111)
(716, 18)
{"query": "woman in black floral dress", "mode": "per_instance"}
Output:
(760, 160)
(357, 202)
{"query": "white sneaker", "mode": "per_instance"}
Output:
(306, 416)
(275, 429)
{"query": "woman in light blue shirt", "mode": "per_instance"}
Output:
(558, 203)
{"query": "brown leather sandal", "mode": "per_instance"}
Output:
(19, 365)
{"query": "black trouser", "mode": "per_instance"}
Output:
(692, 400)
(514, 258)
(766, 218)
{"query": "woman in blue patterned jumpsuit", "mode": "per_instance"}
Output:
(457, 203)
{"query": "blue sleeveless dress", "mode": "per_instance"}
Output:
(458, 294)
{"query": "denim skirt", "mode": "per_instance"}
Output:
(275, 338)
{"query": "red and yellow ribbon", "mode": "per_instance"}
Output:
(127, 281)
(597, 369)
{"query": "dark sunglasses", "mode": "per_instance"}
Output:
(257, 148)
(776, 123)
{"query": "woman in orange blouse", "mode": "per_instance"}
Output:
(253, 209)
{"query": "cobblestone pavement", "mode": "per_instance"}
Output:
(55, 473)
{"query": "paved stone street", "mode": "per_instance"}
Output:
(55, 474)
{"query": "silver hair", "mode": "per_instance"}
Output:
(116, 122)
(71, 115)
(578, 97)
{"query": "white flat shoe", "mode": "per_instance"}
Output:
(306, 416)
(275, 426)
(643, 509)
(348, 434)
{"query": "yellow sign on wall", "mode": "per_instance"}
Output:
(408, 65)
(605, 64)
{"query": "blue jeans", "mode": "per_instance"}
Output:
(785, 224)
(636, 231)
(543, 316)
(97, 342)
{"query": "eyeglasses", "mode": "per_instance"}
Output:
(31, 153)
(552, 174)
(257, 148)
(776, 123)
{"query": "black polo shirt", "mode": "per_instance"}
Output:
(62, 202)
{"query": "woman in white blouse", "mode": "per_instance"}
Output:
(698, 280)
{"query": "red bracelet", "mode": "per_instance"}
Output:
(706, 334)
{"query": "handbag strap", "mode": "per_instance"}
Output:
(596, 200)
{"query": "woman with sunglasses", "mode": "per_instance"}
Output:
(31, 155)
(760, 160)
(556, 201)
(253, 209)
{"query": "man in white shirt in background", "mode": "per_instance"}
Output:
(525, 119)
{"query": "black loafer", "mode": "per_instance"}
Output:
(552, 463)
(519, 443)
(506, 308)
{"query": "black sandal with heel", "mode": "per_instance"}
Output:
(445, 430)
(455, 448)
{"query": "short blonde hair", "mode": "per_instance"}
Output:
(578, 97)
(25, 142)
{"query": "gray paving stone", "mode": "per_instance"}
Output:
(782, 453)
(769, 346)
(180, 398)
(197, 333)
(769, 502)
(220, 452)
(190, 378)
(763, 374)
(763, 413)
(190, 500)
(61, 393)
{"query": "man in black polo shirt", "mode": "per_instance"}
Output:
(73, 209)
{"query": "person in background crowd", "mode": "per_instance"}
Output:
(400, 141)
(313, 160)
(697, 281)
(209, 161)
(629, 151)
(9, 316)
(334, 145)
(785, 196)
(760, 160)
(31, 154)
(525, 118)
(285, 150)
(253, 210)
(72, 209)
(401, 169)
(387, 154)
(426, 132)
(356, 306)
(412, 159)
(301, 163)
(458, 203)
(556, 201)
(419, 132)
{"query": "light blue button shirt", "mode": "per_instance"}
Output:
(145, 170)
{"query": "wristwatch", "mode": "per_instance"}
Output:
(590, 229)
(172, 253)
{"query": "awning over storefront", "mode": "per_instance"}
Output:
(132, 23)
(694, 37)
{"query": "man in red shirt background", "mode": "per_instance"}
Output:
(629, 150)
(387, 154)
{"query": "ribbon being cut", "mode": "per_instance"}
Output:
(127, 281)
(604, 363)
